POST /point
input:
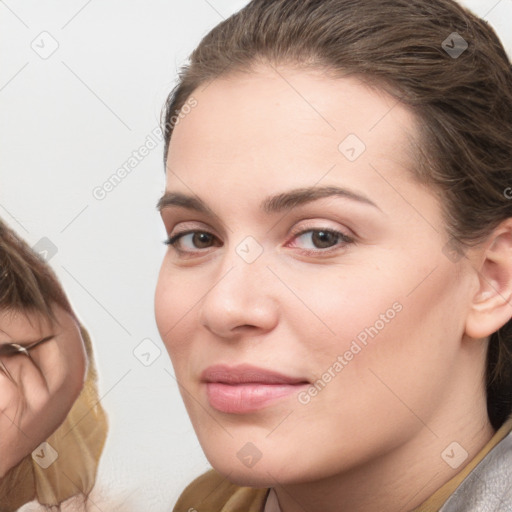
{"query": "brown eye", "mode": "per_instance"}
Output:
(189, 241)
(324, 239)
(320, 240)
(202, 239)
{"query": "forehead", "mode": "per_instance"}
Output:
(270, 101)
(278, 122)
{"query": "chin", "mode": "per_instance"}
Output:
(236, 466)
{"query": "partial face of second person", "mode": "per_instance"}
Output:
(353, 290)
(42, 388)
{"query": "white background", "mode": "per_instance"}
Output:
(68, 122)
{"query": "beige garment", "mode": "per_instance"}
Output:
(78, 441)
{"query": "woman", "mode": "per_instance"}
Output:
(336, 294)
(52, 427)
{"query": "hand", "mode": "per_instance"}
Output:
(37, 386)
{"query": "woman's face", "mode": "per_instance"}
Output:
(309, 331)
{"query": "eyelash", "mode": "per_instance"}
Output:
(340, 236)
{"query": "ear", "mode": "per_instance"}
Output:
(491, 306)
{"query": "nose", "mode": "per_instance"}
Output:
(241, 301)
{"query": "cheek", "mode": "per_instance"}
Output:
(414, 355)
(393, 353)
(398, 325)
(174, 310)
(338, 309)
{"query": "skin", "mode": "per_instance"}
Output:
(44, 388)
(372, 439)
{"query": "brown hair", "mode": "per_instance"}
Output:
(462, 98)
(28, 284)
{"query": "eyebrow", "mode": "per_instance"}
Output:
(274, 204)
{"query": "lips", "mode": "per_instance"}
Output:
(244, 388)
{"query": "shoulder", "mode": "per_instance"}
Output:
(213, 493)
(489, 486)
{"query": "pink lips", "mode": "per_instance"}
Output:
(244, 388)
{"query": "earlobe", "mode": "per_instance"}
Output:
(491, 306)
